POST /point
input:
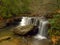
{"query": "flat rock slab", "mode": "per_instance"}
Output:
(13, 41)
(5, 38)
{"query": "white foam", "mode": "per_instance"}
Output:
(40, 37)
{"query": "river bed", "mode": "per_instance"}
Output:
(18, 40)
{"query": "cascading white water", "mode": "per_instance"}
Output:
(25, 21)
(43, 29)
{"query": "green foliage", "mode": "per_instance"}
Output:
(55, 22)
(9, 8)
(55, 25)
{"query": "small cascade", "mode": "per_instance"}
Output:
(25, 21)
(43, 29)
(41, 23)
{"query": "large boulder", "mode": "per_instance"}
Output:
(26, 30)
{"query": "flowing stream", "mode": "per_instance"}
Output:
(43, 29)
(41, 37)
(37, 21)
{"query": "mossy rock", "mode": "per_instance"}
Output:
(23, 29)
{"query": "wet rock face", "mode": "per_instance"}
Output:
(32, 32)
(2, 24)
(9, 22)
(13, 22)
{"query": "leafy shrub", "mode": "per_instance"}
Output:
(55, 25)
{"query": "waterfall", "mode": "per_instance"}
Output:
(25, 21)
(43, 29)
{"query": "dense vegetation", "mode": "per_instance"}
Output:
(9, 8)
(55, 25)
